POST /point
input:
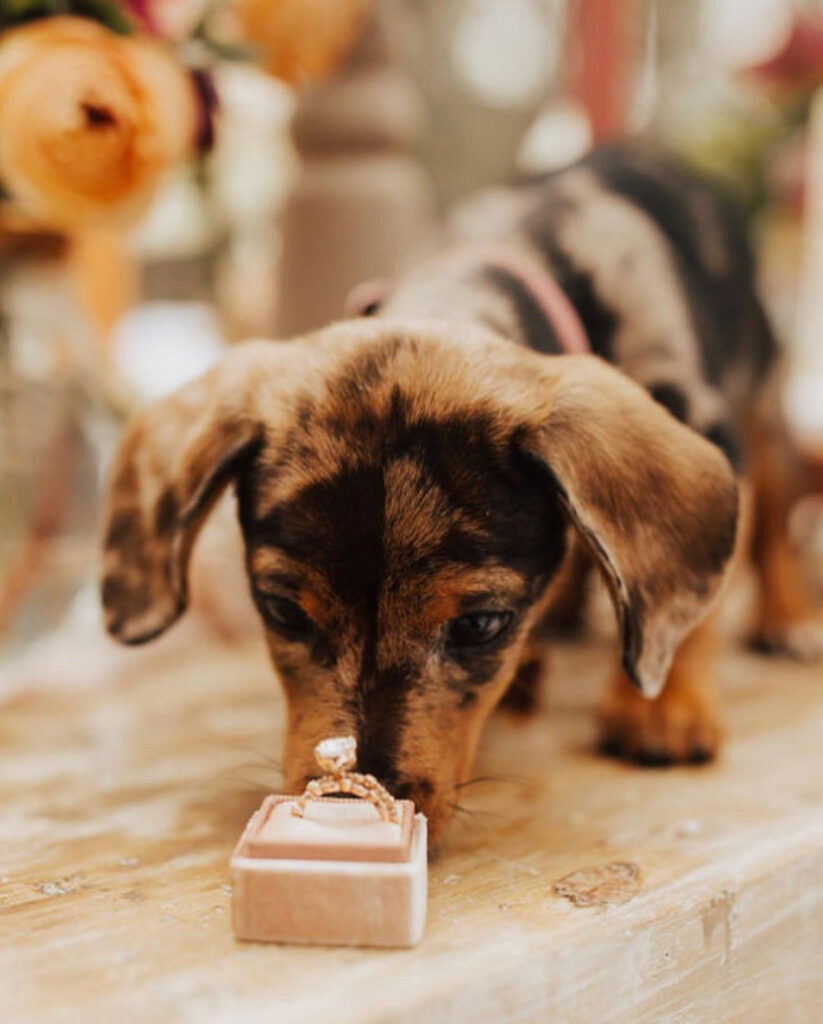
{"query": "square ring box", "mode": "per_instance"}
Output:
(338, 875)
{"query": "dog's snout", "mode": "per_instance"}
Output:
(382, 768)
(419, 791)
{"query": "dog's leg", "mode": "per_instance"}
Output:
(681, 725)
(561, 614)
(787, 618)
(569, 594)
(523, 694)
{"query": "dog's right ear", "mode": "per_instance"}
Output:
(655, 503)
(175, 459)
(365, 298)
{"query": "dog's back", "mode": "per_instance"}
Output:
(408, 491)
(657, 264)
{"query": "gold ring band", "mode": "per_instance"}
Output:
(337, 755)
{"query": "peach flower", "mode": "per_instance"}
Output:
(302, 40)
(170, 19)
(89, 120)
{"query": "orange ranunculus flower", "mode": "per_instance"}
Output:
(303, 40)
(89, 120)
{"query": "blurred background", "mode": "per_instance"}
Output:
(178, 175)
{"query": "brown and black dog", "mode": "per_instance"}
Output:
(410, 484)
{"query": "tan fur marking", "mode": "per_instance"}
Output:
(308, 412)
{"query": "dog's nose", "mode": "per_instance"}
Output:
(419, 791)
(381, 766)
(387, 778)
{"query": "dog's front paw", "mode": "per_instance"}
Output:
(802, 640)
(680, 727)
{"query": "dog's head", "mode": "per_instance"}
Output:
(405, 495)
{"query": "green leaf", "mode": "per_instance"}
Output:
(16, 12)
(107, 13)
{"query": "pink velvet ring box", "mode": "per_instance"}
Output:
(338, 875)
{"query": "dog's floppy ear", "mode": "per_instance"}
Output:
(655, 502)
(364, 298)
(175, 459)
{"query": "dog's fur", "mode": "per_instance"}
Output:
(411, 483)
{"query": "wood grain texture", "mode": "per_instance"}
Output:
(120, 806)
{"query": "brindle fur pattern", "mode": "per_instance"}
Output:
(395, 472)
(391, 477)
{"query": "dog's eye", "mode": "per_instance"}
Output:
(286, 616)
(475, 629)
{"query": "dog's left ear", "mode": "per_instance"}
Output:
(175, 459)
(655, 502)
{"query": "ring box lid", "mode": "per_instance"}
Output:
(330, 829)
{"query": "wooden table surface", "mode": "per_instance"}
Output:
(120, 804)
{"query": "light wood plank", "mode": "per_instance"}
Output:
(120, 807)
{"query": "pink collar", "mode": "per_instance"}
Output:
(536, 279)
(546, 292)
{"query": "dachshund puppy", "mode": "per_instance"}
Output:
(410, 484)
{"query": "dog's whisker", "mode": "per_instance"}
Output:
(510, 780)
(474, 813)
(263, 759)
(258, 772)
(459, 809)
